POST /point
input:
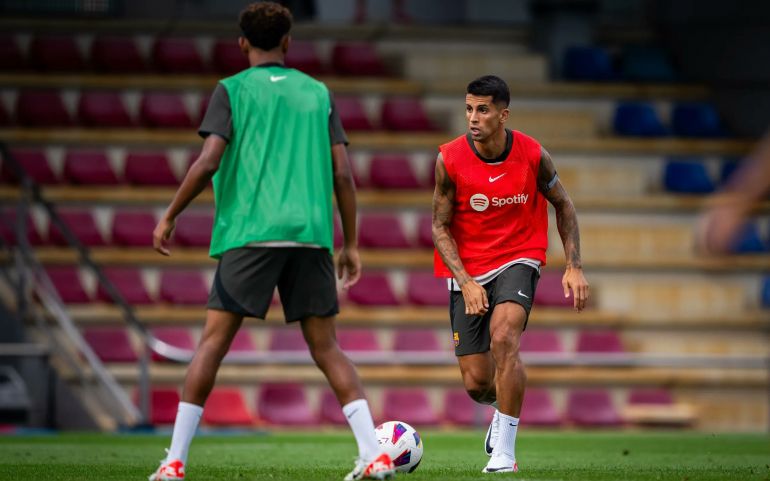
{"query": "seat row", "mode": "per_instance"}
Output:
(688, 119)
(174, 55)
(636, 63)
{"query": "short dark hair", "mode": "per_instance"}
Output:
(491, 85)
(264, 24)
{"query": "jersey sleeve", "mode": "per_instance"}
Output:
(336, 131)
(218, 119)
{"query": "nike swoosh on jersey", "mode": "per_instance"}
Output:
(274, 78)
(492, 179)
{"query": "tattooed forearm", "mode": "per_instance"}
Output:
(443, 208)
(566, 217)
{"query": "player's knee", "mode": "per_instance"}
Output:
(477, 386)
(505, 343)
(321, 346)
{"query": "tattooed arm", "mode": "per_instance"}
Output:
(566, 222)
(475, 295)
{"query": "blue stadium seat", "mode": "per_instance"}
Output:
(696, 119)
(638, 119)
(766, 293)
(748, 241)
(728, 168)
(647, 64)
(587, 63)
(687, 176)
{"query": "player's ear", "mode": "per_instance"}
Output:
(504, 115)
(244, 45)
(285, 42)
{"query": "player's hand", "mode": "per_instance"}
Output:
(349, 266)
(475, 296)
(575, 280)
(162, 234)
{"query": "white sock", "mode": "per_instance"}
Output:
(506, 443)
(187, 418)
(360, 419)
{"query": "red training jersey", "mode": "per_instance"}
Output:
(499, 213)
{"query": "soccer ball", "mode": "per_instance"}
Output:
(402, 442)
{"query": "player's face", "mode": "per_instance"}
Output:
(484, 117)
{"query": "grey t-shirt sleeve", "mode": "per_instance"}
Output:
(336, 131)
(218, 118)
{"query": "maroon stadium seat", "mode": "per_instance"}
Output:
(176, 336)
(331, 411)
(88, 167)
(425, 231)
(10, 54)
(592, 407)
(242, 342)
(227, 58)
(392, 171)
(133, 229)
(460, 409)
(185, 287)
(599, 341)
(410, 405)
(382, 231)
(541, 340)
(103, 109)
(352, 114)
(405, 114)
(373, 289)
(650, 396)
(226, 407)
(81, 223)
(149, 168)
(194, 229)
(56, 53)
(177, 55)
(285, 404)
(425, 289)
(66, 280)
(128, 282)
(110, 344)
(8, 228)
(164, 403)
(41, 108)
(416, 340)
(357, 340)
(287, 339)
(339, 237)
(34, 163)
(304, 57)
(538, 409)
(550, 292)
(164, 110)
(117, 55)
(358, 59)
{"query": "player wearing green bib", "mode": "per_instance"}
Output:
(276, 153)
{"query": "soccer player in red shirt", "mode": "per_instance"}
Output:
(490, 229)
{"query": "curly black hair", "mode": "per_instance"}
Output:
(264, 24)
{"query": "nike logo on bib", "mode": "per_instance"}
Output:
(522, 294)
(492, 179)
(274, 78)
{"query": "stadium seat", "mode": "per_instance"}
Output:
(592, 408)
(66, 280)
(331, 411)
(357, 59)
(103, 109)
(696, 119)
(88, 167)
(766, 293)
(34, 163)
(647, 64)
(405, 114)
(729, 167)
(287, 339)
(55, 53)
(285, 404)
(416, 340)
(373, 289)
(461, 410)
(587, 63)
(117, 55)
(541, 340)
(226, 407)
(425, 231)
(183, 287)
(164, 404)
(304, 57)
(382, 231)
(242, 342)
(650, 396)
(110, 344)
(392, 171)
(425, 289)
(410, 405)
(599, 341)
(81, 223)
(128, 282)
(549, 291)
(10, 54)
(176, 336)
(8, 228)
(164, 110)
(748, 240)
(133, 229)
(687, 176)
(41, 108)
(538, 409)
(638, 119)
(177, 55)
(194, 229)
(352, 114)
(149, 168)
(339, 237)
(227, 58)
(357, 340)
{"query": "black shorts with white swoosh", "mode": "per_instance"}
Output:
(471, 333)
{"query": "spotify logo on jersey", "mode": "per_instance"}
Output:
(479, 202)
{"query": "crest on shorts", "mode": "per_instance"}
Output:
(456, 338)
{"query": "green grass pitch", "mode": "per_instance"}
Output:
(448, 456)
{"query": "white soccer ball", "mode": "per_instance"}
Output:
(402, 442)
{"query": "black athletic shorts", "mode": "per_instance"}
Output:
(471, 333)
(246, 279)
